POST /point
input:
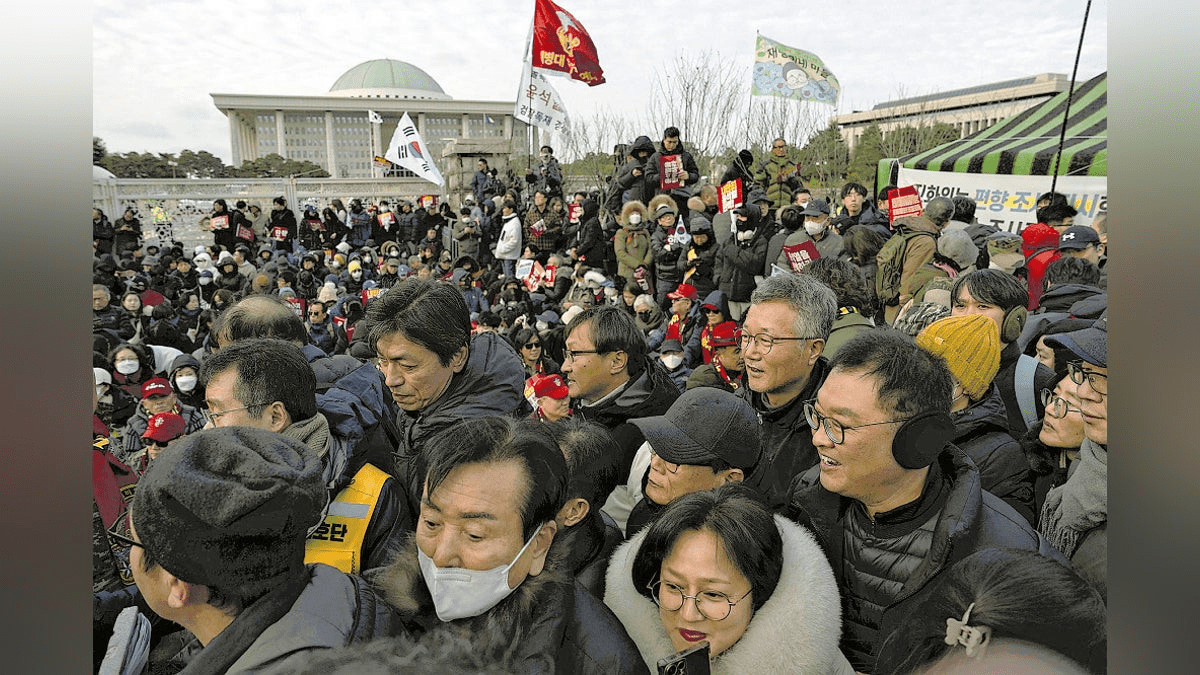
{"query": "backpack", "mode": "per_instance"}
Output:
(891, 264)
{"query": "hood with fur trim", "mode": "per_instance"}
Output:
(631, 207)
(799, 625)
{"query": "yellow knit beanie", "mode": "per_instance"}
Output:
(971, 346)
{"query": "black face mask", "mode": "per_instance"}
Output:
(645, 316)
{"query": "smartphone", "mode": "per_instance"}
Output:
(692, 661)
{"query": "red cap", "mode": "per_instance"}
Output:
(548, 385)
(165, 427)
(684, 291)
(725, 334)
(156, 387)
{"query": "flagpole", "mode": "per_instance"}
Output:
(750, 103)
(1062, 135)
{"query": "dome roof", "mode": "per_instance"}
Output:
(387, 78)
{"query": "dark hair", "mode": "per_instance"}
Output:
(282, 201)
(594, 465)
(1019, 595)
(229, 599)
(1056, 212)
(432, 314)
(911, 380)
(510, 205)
(501, 439)
(800, 191)
(856, 187)
(791, 217)
(145, 357)
(259, 316)
(993, 287)
(882, 196)
(547, 149)
(845, 280)
(1052, 197)
(1071, 270)
(671, 132)
(964, 208)
(734, 513)
(268, 370)
(522, 336)
(862, 244)
(613, 330)
(1062, 355)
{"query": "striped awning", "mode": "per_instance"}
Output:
(1027, 143)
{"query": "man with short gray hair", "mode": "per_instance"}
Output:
(786, 327)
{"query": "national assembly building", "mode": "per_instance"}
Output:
(334, 132)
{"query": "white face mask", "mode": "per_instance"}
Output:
(541, 325)
(745, 236)
(356, 274)
(204, 281)
(127, 367)
(672, 361)
(101, 390)
(635, 219)
(813, 228)
(185, 383)
(461, 593)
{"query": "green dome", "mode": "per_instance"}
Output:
(387, 78)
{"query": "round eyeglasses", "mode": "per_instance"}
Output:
(1097, 381)
(834, 429)
(712, 605)
(1056, 406)
(765, 342)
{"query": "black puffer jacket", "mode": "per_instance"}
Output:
(738, 263)
(549, 624)
(969, 519)
(982, 433)
(640, 188)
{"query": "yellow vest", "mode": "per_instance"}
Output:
(338, 542)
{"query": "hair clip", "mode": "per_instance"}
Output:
(973, 638)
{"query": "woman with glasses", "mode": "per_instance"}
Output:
(1053, 443)
(717, 567)
(528, 343)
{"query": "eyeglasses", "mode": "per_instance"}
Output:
(1097, 381)
(210, 416)
(669, 466)
(710, 310)
(834, 429)
(122, 539)
(778, 147)
(1056, 406)
(766, 341)
(571, 354)
(712, 605)
(531, 345)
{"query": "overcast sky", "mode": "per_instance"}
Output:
(155, 64)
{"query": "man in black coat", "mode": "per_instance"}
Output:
(892, 501)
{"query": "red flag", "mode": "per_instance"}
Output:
(561, 43)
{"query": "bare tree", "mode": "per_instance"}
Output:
(703, 94)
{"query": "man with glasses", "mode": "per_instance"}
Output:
(778, 175)
(789, 319)
(612, 379)
(707, 438)
(1075, 515)
(892, 501)
(268, 384)
(324, 333)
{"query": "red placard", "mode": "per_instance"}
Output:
(535, 275)
(669, 168)
(549, 274)
(427, 200)
(731, 196)
(314, 224)
(299, 306)
(279, 233)
(220, 222)
(574, 211)
(387, 219)
(904, 202)
(800, 255)
(245, 233)
(368, 293)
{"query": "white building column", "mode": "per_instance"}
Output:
(235, 137)
(466, 125)
(279, 146)
(330, 151)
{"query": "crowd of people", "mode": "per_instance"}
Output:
(602, 432)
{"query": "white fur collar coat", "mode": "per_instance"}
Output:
(795, 631)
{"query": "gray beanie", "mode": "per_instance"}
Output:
(230, 507)
(957, 246)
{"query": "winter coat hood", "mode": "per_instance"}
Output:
(633, 206)
(799, 625)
